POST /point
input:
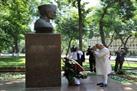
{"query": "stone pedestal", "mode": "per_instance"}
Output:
(43, 60)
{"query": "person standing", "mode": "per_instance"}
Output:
(80, 56)
(76, 55)
(90, 52)
(120, 58)
(73, 48)
(83, 57)
(103, 66)
(73, 54)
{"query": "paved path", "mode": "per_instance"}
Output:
(88, 84)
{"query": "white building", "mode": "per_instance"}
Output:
(131, 44)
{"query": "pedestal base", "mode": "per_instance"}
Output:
(43, 60)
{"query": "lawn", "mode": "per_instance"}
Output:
(126, 65)
(20, 62)
(12, 62)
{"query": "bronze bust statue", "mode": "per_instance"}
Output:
(47, 12)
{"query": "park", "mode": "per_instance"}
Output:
(35, 56)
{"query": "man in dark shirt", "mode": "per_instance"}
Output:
(120, 58)
(90, 52)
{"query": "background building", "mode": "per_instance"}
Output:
(131, 44)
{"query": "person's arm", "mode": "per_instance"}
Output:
(80, 52)
(70, 55)
(102, 54)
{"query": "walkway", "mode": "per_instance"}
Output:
(88, 84)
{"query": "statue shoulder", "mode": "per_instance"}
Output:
(43, 23)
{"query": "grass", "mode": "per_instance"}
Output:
(12, 62)
(20, 61)
(126, 65)
(127, 77)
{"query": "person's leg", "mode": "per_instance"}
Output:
(105, 77)
(79, 61)
(99, 80)
(77, 81)
(121, 65)
(94, 65)
(116, 66)
(105, 81)
(91, 65)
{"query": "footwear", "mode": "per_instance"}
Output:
(99, 83)
(77, 81)
(103, 85)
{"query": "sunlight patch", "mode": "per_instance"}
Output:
(128, 88)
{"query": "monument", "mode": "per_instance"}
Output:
(43, 25)
(43, 51)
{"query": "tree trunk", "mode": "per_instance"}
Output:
(101, 25)
(102, 35)
(111, 40)
(69, 46)
(123, 43)
(125, 47)
(16, 46)
(120, 37)
(80, 24)
(0, 52)
(13, 50)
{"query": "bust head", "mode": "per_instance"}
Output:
(47, 10)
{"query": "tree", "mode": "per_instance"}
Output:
(68, 27)
(109, 13)
(125, 31)
(80, 23)
(68, 9)
(15, 18)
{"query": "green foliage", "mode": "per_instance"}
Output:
(117, 17)
(68, 27)
(15, 17)
(68, 21)
(126, 9)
